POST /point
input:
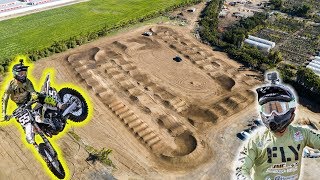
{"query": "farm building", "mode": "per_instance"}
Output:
(314, 65)
(264, 41)
(262, 44)
(239, 15)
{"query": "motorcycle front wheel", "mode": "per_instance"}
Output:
(81, 113)
(53, 163)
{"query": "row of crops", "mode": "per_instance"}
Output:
(315, 4)
(297, 40)
(276, 36)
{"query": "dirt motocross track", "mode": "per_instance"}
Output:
(152, 111)
(162, 119)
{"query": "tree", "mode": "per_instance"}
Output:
(301, 11)
(287, 72)
(275, 57)
(277, 4)
(1, 69)
(309, 79)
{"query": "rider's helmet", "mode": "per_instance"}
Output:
(20, 71)
(276, 104)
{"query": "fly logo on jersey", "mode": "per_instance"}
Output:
(274, 153)
(19, 90)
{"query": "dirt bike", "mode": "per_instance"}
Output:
(53, 120)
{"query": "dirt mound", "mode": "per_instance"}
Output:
(147, 43)
(100, 57)
(84, 55)
(215, 64)
(119, 45)
(190, 149)
(200, 115)
(186, 144)
(232, 104)
(225, 81)
(159, 29)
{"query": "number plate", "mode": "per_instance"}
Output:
(24, 119)
(53, 93)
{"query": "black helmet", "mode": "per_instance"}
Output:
(277, 104)
(17, 68)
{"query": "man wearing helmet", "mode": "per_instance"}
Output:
(21, 90)
(275, 152)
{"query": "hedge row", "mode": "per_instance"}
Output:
(209, 22)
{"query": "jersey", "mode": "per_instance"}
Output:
(273, 157)
(18, 92)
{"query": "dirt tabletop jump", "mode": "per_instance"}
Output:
(161, 118)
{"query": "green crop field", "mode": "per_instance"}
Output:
(40, 30)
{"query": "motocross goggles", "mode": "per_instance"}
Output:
(21, 73)
(277, 107)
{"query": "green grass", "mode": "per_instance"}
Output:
(74, 135)
(100, 155)
(40, 30)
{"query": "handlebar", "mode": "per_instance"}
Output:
(21, 108)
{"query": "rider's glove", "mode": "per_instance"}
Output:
(6, 118)
(50, 100)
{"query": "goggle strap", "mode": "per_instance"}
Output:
(292, 104)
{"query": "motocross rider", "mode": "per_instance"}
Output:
(21, 91)
(275, 152)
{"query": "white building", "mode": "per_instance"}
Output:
(261, 46)
(264, 41)
(314, 65)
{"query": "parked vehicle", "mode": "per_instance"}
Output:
(147, 33)
(243, 135)
(177, 59)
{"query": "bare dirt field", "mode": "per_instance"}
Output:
(162, 119)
